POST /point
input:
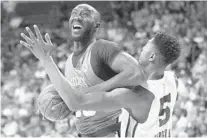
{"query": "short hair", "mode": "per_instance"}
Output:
(98, 15)
(168, 46)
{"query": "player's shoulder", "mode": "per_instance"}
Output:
(170, 74)
(172, 77)
(103, 46)
(101, 43)
(105, 42)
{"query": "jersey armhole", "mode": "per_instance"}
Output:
(111, 60)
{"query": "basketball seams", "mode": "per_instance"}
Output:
(45, 93)
(48, 106)
(48, 99)
(63, 111)
(59, 113)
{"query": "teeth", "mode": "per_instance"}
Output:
(77, 26)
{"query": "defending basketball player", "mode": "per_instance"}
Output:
(98, 65)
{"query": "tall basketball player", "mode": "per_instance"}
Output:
(97, 63)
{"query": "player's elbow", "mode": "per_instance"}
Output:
(143, 116)
(142, 119)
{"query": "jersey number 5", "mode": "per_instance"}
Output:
(164, 112)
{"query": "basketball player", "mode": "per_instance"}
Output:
(98, 65)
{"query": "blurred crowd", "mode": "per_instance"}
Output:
(132, 24)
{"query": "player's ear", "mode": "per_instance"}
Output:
(152, 57)
(97, 25)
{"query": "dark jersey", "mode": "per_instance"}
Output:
(103, 53)
(93, 67)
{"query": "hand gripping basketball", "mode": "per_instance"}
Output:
(51, 105)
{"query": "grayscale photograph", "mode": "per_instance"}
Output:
(104, 69)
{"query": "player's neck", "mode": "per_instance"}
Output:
(157, 74)
(81, 46)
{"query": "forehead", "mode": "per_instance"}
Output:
(84, 7)
(150, 43)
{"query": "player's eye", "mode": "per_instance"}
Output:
(73, 13)
(85, 14)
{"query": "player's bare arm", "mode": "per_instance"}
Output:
(136, 100)
(41, 50)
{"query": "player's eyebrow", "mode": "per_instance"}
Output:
(84, 10)
(74, 10)
(87, 10)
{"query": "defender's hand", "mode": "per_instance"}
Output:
(38, 46)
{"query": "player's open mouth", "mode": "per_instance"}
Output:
(77, 27)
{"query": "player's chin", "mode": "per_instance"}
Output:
(76, 37)
(141, 62)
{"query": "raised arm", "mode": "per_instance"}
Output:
(42, 50)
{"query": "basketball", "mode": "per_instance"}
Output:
(51, 105)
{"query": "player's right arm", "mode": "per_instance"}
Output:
(109, 55)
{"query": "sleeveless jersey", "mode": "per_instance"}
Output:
(84, 76)
(159, 121)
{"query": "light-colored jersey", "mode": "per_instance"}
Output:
(159, 121)
(84, 76)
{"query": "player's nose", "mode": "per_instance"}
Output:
(77, 17)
